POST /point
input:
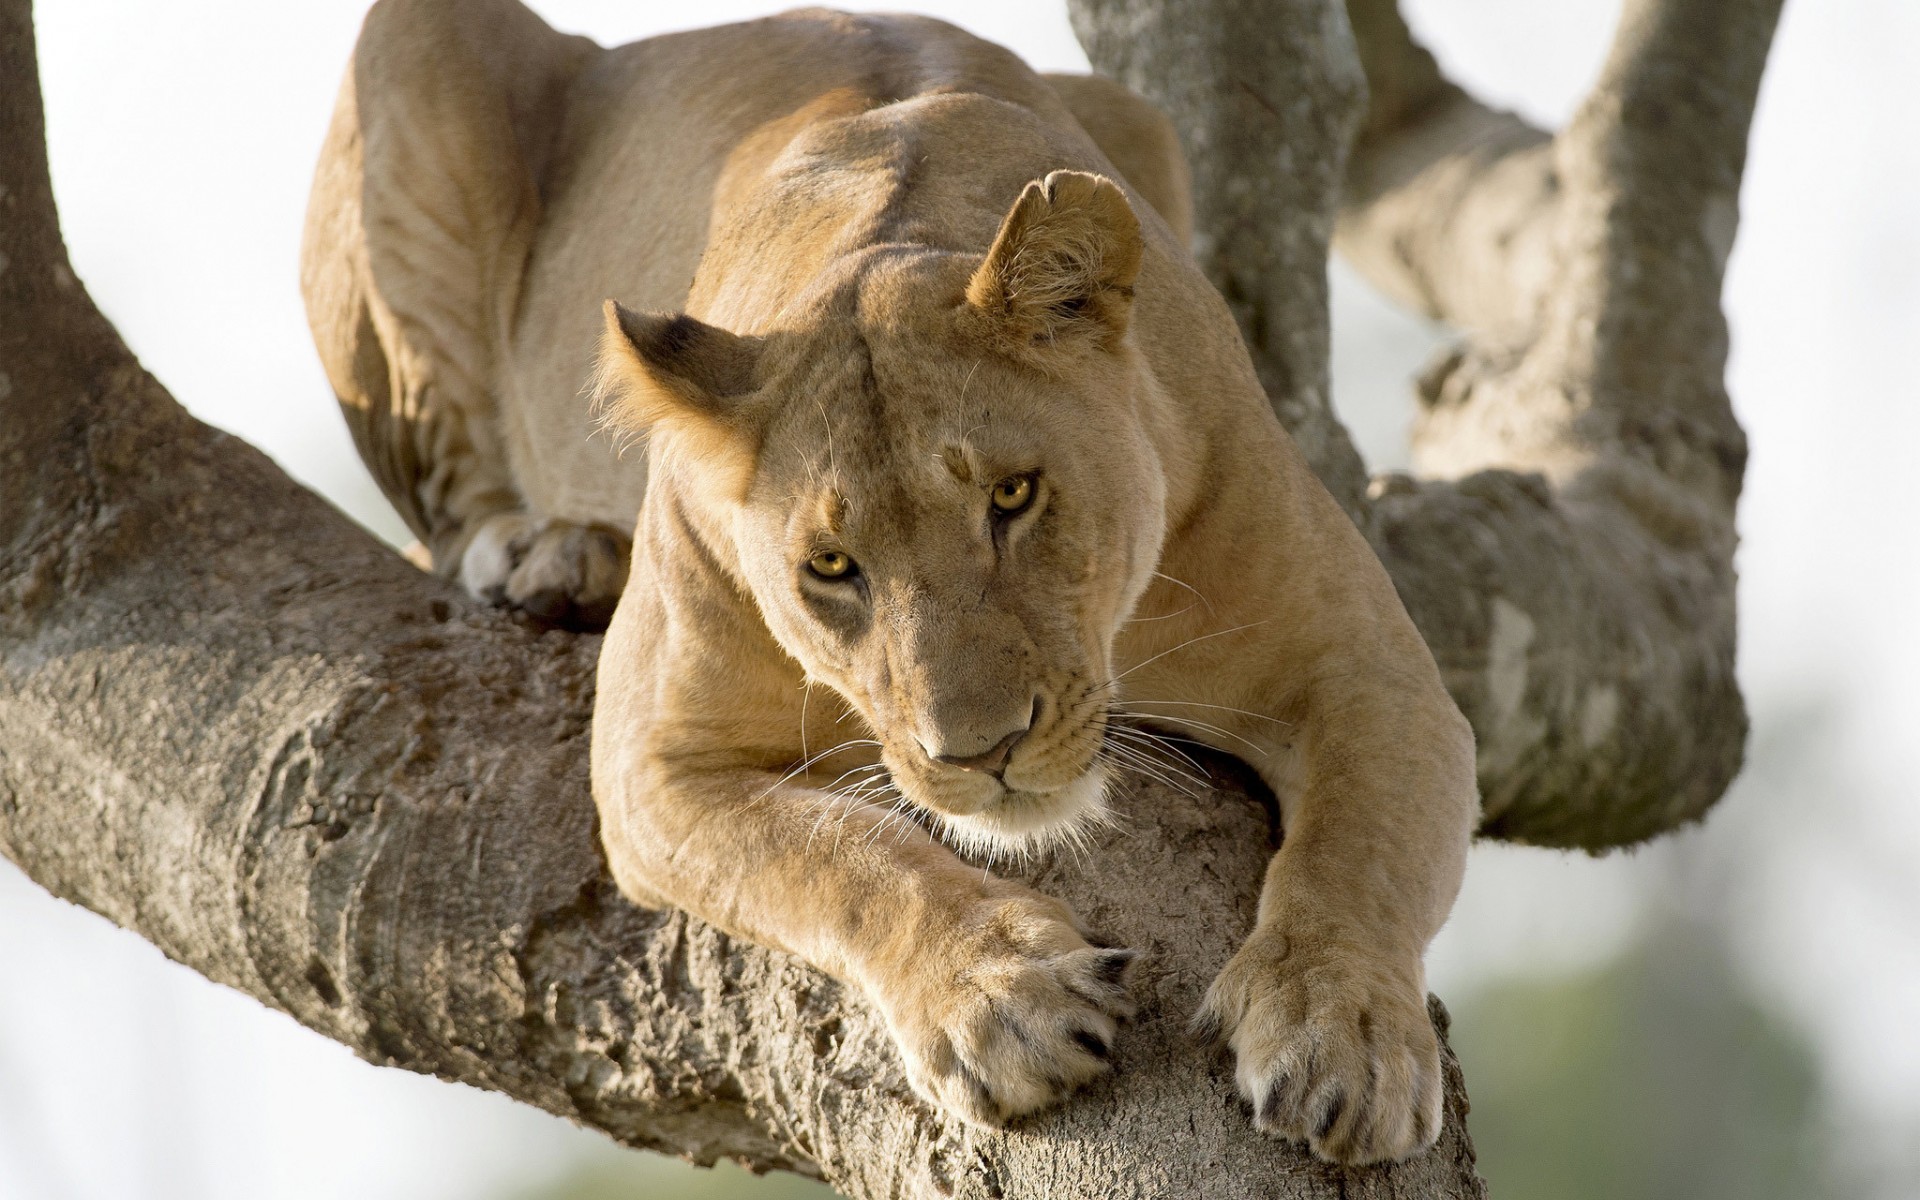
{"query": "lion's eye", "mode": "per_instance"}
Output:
(1012, 494)
(831, 564)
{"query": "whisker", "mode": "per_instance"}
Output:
(806, 695)
(1186, 585)
(809, 761)
(1225, 733)
(840, 826)
(832, 463)
(964, 385)
(1162, 617)
(911, 822)
(1162, 743)
(1132, 702)
(1145, 772)
(870, 793)
(1182, 646)
(844, 800)
(1152, 755)
(899, 813)
(832, 787)
(873, 831)
(1137, 743)
(1143, 763)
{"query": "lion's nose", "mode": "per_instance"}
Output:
(992, 761)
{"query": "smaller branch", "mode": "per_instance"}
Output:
(1652, 164)
(1581, 457)
(1608, 354)
(1449, 204)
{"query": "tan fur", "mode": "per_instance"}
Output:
(914, 275)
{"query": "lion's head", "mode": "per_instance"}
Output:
(941, 493)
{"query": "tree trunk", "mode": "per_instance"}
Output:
(232, 721)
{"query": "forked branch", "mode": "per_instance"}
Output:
(1567, 547)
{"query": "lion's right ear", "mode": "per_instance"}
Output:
(1063, 265)
(669, 369)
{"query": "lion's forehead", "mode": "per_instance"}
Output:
(885, 436)
(858, 507)
(894, 435)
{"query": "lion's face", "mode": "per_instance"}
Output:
(952, 542)
(951, 505)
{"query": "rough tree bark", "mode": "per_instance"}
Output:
(235, 723)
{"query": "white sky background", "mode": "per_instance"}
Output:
(183, 136)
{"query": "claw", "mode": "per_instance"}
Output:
(1017, 1027)
(984, 1105)
(1331, 1117)
(1112, 967)
(1270, 1100)
(1092, 1043)
(1350, 1069)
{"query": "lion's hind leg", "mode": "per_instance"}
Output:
(424, 206)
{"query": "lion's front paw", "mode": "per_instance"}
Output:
(558, 571)
(1015, 1016)
(1333, 1046)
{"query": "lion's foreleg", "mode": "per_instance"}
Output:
(998, 1003)
(1324, 1006)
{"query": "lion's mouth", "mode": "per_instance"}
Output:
(1023, 822)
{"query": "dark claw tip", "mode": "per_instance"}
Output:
(1270, 1099)
(548, 604)
(1331, 1117)
(1113, 964)
(1092, 1043)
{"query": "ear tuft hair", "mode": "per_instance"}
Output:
(1063, 264)
(670, 368)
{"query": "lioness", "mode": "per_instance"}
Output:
(956, 476)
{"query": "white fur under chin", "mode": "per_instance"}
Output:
(1028, 823)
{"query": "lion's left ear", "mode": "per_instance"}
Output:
(672, 369)
(1063, 263)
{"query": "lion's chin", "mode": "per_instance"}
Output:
(1023, 823)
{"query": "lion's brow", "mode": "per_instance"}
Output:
(957, 462)
(832, 507)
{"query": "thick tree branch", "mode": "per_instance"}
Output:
(1568, 554)
(233, 722)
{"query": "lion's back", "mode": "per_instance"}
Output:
(652, 129)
